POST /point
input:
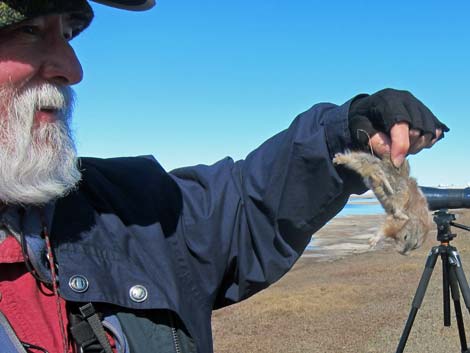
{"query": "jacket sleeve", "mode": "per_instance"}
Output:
(245, 223)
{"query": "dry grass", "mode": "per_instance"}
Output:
(357, 304)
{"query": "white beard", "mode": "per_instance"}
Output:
(38, 161)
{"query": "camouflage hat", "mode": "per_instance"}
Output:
(15, 11)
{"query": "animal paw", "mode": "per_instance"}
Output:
(340, 158)
(375, 240)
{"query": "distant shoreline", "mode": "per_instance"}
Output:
(361, 206)
(367, 195)
(361, 202)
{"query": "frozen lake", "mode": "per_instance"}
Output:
(361, 206)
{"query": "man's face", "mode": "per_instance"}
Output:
(38, 51)
(37, 67)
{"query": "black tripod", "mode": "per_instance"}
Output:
(453, 279)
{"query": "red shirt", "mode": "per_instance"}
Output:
(30, 309)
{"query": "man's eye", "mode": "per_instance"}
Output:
(32, 30)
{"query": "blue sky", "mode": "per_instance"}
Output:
(194, 81)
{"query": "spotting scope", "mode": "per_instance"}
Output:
(446, 198)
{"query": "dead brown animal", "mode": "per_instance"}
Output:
(408, 219)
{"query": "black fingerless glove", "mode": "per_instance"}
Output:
(381, 110)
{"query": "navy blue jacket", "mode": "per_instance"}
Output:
(202, 237)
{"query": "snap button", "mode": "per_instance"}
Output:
(78, 283)
(138, 293)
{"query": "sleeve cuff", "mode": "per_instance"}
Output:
(336, 124)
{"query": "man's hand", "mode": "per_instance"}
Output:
(395, 122)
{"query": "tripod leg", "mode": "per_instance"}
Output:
(418, 298)
(458, 310)
(455, 262)
(445, 288)
(456, 265)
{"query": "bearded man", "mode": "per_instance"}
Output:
(117, 255)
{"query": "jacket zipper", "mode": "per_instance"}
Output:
(174, 334)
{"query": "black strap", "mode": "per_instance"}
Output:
(88, 331)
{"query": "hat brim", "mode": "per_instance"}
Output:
(133, 5)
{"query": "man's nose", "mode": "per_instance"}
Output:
(61, 65)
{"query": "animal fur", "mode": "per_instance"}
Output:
(408, 219)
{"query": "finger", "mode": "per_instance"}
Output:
(423, 142)
(438, 136)
(380, 144)
(415, 135)
(400, 142)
